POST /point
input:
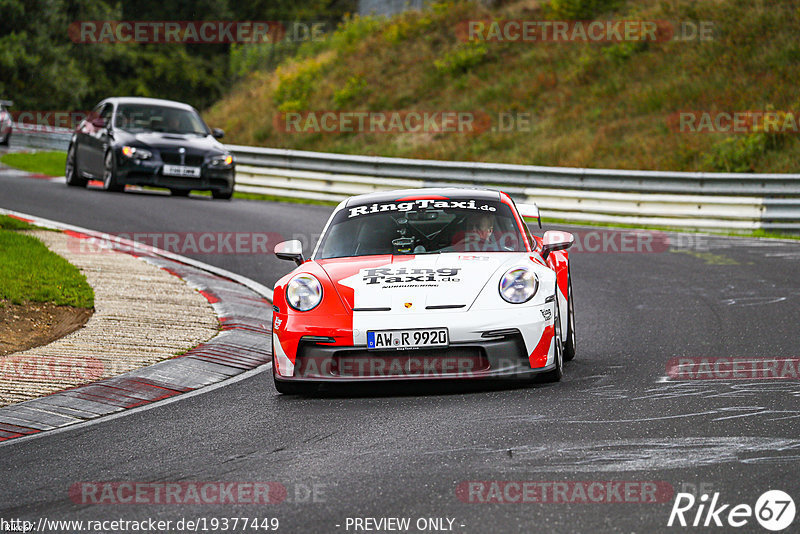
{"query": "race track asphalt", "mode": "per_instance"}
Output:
(389, 452)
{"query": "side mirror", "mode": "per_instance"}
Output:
(554, 240)
(216, 133)
(290, 250)
(98, 122)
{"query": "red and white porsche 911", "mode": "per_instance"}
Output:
(424, 284)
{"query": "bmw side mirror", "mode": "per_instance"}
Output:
(216, 133)
(555, 240)
(290, 250)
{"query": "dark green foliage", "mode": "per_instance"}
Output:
(41, 68)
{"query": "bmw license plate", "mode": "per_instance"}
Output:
(407, 339)
(180, 170)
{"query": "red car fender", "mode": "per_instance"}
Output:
(331, 318)
(559, 262)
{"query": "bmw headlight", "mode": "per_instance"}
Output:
(303, 292)
(136, 152)
(518, 285)
(224, 161)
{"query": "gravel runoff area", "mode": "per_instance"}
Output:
(143, 315)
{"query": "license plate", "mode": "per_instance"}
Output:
(407, 339)
(180, 170)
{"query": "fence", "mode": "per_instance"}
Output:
(687, 200)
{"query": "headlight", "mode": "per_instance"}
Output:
(518, 285)
(138, 153)
(225, 160)
(303, 292)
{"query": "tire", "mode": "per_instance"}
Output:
(180, 192)
(7, 140)
(569, 346)
(222, 195)
(71, 170)
(110, 174)
(556, 374)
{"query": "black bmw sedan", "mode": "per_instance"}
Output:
(146, 141)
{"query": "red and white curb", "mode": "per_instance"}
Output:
(243, 307)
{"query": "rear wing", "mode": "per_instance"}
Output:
(530, 211)
(6, 103)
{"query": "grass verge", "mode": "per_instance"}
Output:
(10, 223)
(30, 272)
(48, 163)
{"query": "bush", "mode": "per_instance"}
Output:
(463, 58)
(741, 154)
(352, 89)
(406, 26)
(353, 31)
(620, 52)
(737, 154)
(246, 58)
(296, 86)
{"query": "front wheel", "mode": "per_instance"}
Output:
(110, 174)
(71, 171)
(6, 141)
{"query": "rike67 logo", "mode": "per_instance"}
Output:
(774, 510)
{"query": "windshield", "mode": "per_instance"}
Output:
(149, 118)
(422, 227)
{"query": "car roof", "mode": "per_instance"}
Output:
(455, 193)
(151, 101)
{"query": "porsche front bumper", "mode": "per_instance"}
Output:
(509, 343)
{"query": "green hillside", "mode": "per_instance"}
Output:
(606, 104)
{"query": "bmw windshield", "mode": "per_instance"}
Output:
(137, 118)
